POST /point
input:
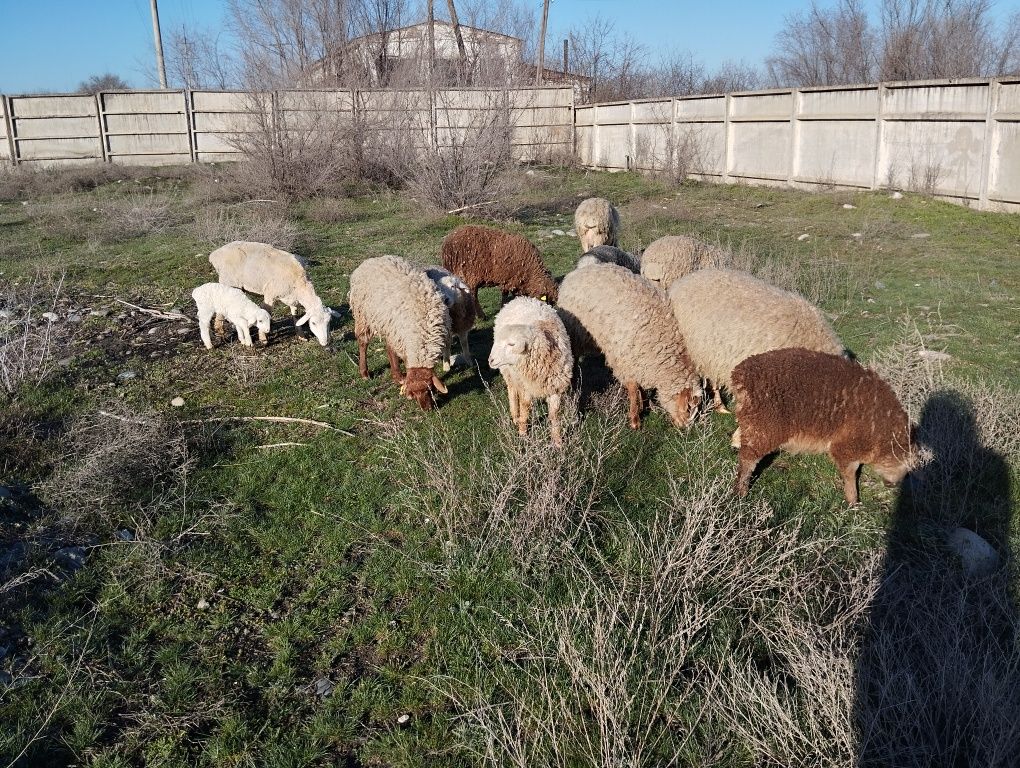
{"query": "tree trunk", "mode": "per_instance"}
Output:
(540, 67)
(462, 68)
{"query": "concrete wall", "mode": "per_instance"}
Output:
(957, 139)
(177, 127)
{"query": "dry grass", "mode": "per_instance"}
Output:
(29, 183)
(330, 210)
(255, 221)
(29, 343)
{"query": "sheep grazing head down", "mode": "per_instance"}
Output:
(513, 345)
(684, 406)
(318, 322)
(262, 321)
(419, 385)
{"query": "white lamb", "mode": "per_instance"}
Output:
(222, 301)
(277, 276)
(531, 348)
(460, 304)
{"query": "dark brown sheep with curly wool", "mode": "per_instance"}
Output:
(484, 256)
(814, 402)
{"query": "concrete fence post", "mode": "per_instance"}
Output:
(189, 121)
(727, 141)
(880, 150)
(791, 171)
(101, 126)
(9, 127)
(632, 157)
(596, 141)
(987, 156)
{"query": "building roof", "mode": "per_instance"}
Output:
(439, 23)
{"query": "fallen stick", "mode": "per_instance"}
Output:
(281, 419)
(154, 312)
(280, 445)
(475, 205)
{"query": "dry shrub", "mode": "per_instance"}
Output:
(27, 182)
(104, 221)
(330, 210)
(29, 343)
(118, 466)
(256, 222)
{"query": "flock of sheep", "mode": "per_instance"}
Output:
(672, 320)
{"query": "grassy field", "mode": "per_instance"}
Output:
(184, 587)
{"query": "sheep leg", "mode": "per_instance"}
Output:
(363, 357)
(554, 420)
(511, 396)
(478, 307)
(636, 404)
(747, 460)
(394, 365)
(447, 354)
(243, 334)
(203, 328)
(523, 413)
(720, 406)
(849, 470)
(735, 440)
(465, 348)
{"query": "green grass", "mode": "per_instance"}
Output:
(200, 642)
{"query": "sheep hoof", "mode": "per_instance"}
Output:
(720, 408)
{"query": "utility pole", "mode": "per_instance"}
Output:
(540, 67)
(566, 55)
(160, 66)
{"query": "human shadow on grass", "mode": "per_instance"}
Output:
(937, 680)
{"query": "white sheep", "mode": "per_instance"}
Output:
(726, 316)
(629, 319)
(531, 349)
(670, 258)
(460, 303)
(610, 254)
(222, 301)
(396, 300)
(596, 222)
(277, 276)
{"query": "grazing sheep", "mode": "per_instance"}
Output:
(277, 276)
(395, 300)
(804, 401)
(460, 303)
(726, 316)
(630, 320)
(484, 256)
(219, 301)
(670, 258)
(610, 254)
(530, 347)
(596, 222)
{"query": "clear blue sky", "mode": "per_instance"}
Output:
(52, 45)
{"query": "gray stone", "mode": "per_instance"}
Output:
(571, 233)
(202, 604)
(848, 207)
(74, 317)
(323, 687)
(50, 316)
(934, 356)
(126, 375)
(72, 558)
(177, 402)
(804, 237)
(977, 556)
(100, 312)
(558, 232)
(896, 195)
(125, 535)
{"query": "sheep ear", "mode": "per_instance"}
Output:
(440, 386)
(304, 319)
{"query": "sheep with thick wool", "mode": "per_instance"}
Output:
(670, 258)
(214, 300)
(531, 349)
(725, 316)
(804, 401)
(610, 254)
(277, 276)
(629, 319)
(397, 301)
(485, 256)
(461, 306)
(596, 222)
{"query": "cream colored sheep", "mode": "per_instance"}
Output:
(222, 301)
(726, 316)
(397, 301)
(277, 276)
(596, 222)
(630, 320)
(460, 303)
(670, 258)
(531, 349)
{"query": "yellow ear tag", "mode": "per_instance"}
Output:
(543, 298)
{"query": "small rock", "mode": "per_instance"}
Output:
(804, 237)
(72, 558)
(879, 284)
(153, 330)
(202, 604)
(177, 402)
(529, 173)
(65, 362)
(933, 356)
(571, 233)
(74, 317)
(977, 555)
(848, 207)
(857, 235)
(50, 316)
(182, 331)
(323, 687)
(126, 375)
(558, 232)
(896, 195)
(125, 535)
(99, 312)
(920, 236)
(403, 719)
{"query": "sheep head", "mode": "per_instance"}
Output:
(318, 322)
(683, 407)
(512, 344)
(419, 385)
(262, 321)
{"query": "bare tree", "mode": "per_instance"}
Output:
(731, 76)
(105, 82)
(195, 59)
(824, 46)
(613, 63)
(679, 74)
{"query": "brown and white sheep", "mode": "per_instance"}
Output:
(629, 319)
(596, 222)
(460, 303)
(392, 298)
(804, 401)
(610, 254)
(485, 256)
(531, 349)
(725, 316)
(670, 258)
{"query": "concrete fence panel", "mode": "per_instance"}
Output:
(145, 128)
(54, 130)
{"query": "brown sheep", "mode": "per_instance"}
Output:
(814, 402)
(484, 256)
